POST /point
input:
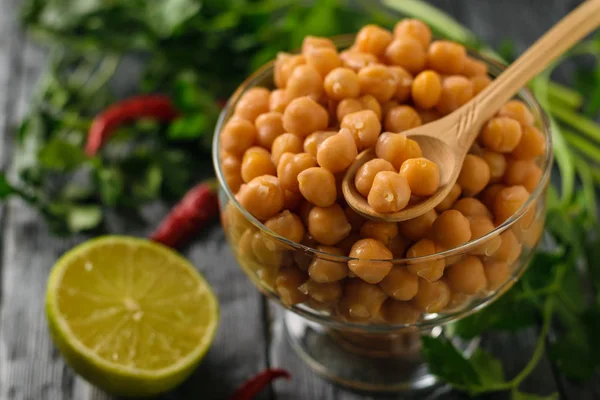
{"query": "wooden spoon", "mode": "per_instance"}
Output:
(447, 140)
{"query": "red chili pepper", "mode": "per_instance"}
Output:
(196, 208)
(255, 385)
(155, 106)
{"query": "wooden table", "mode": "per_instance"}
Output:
(250, 338)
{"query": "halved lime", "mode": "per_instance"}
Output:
(129, 315)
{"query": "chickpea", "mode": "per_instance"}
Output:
(373, 39)
(400, 284)
(323, 269)
(285, 143)
(305, 81)
(533, 178)
(262, 197)
(390, 192)
(237, 136)
(365, 251)
(379, 81)
(470, 207)
(369, 102)
(323, 60)
(488, 196)
(431, 270)
(517, 172)
(304, 211)
(317, 185)
(322, 292)
(432, 297)
(313, 42)
(405, 82)
(278, 101)
(387, 106)
(304, 116)
(496, 273)
(532, 144)
(290, 165)
(285, 64)
(456, 92)
(451, 229)
(516, 109)
(363, 180)
(232, 167)
(256, 162)
(314, 140)
(348, 106)
(379, 230)
(397, 246)
(509, 250)
(458, 301)
(447, 57)
(497, 164)
(450, 199)
(428, 116)
(474, 175)
(427, 89)
(364, 126)
(402, 118)
(508, 201)
(348, 242)
(423, 176)
(361, 301)
(415, 29)
(481, 226)
(288, 225)
(466, 276)
(328, 225)
(287, 283)
(356, 60)
(474, 68)
(337, 152)
(268, 126)
(501, 134)
(252, 103)
(399, 312)
(342, 83)
(291, 200)
(480, 82)
(407, 53)
(396, 148)
(266, 253)
(419, 227)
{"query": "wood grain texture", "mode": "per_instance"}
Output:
(247, 341)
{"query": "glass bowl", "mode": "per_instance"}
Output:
(354, 333)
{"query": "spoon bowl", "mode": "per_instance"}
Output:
(448, 140)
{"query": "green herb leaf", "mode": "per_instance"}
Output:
(189, 127)
(60, 155)
(446, 362)
(166, 16)
(488, 368)
(516, 395)
(5, 188)
(83, 218)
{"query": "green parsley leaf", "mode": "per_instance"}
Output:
(488, 367)
(5, 188)
(516, 395)
(446, 362)
(83, 218)
(60, 155)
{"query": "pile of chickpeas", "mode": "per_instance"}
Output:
(284, 152)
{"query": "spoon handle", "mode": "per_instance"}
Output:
(572, 28)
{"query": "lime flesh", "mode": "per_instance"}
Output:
(129, 315)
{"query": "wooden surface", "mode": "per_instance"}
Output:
(250, 336)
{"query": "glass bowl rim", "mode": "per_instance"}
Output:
(524, 93)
